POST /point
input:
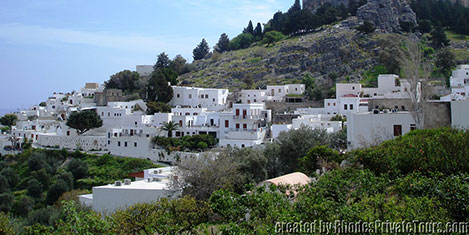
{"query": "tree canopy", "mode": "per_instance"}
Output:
(8, 120)
(158, 88)
(125, 80)
(201, 50)
(223, 43)
(84, 121)
(162, 61)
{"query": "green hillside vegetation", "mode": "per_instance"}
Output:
(422, 176)
(33, 183)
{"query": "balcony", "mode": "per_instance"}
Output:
(247, 117)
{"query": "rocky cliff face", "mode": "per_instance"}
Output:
(387, 15)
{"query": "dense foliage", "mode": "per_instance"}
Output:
(127, 81)
(422, 176)
(158, 88)
(442, 13)
(8, 120)
(84, 121)
(186, 143)
(35, 179)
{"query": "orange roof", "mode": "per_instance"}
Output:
(290, 179)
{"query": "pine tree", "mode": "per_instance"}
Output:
(223, 43)
(295, 8)
(201, 50)
(258, 30)
(163, 61)
(249, 29)
(438, 37)
(158, 88)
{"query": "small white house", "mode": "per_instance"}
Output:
(367, 129)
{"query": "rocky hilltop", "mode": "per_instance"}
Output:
(387, 15)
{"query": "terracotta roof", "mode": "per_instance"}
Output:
(140, 174)
(290, 179)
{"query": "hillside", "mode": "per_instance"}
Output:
(336, 51)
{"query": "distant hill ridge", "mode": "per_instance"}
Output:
(315, 4)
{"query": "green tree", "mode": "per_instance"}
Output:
(249, 29)
(157, 107)
(201, 50)
(170, 127)
(43, 177)
(4, 187)
(258, 31)
(8, 120)
(158, 88)
(272, 37)
(125, 80)
(241, 41)
(445, 61)
(223, 43)
(67, 176)
(84, 121)
(6, 226)
(6, 202)
(81, 222)
(34, 188)
(438, 37)
(309, 163)
(425, 26)
(162, 61)
(55, 191)
(11, 176)
(78, 168)
(22, 205)
(179, 65)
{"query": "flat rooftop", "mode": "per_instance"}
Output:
(137, 185)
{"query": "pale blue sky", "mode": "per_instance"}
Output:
(58, 45)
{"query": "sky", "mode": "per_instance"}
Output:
(51, 46)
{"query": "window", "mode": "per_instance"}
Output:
(345, 106)
(244, 113)
(135, 144)
(353, 88)
(177, 95)
(328, 104)
(190, 96)
(135, 123)
(227, 123)
(237, 125)
(413, 127)
(206, 96)
(242, 146)
(108, 142)
(118, 143)
(403, 107)
(109, 135)
(279, 91)
(178, 133)
(245, 126)
(397, 130)
(68, 133)
(180, 123)
(237, 112)
(351, 106)
(108, 114)
(125, 144)
(213, 99)
(334, 104)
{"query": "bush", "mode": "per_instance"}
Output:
(4, 187)
(67, 177)
(22, 205)
(44, 216)
(311, 161)
(427, 151)
(5, 225)
(6, 201)
(11, 176)
(78, 168)
(55, 191)
(34, 188)
(272, 37)
(242, 41)
(37, 161)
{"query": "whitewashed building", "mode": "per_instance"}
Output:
(120, 195)
(194, 97)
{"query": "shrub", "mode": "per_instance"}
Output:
(34, 188)
(22, 205)
(55, 191)
(11, 176)
(310, 162)
(6, 201)
(78, 168)
(4, 187)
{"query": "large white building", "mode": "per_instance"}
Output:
(275, 93)
(194, 97)
(459, 84)
(120, 195)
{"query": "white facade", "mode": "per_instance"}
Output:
(368, 129)
(276, 93)
(212, 99)
(109, 198)
(459, 83)
(460, 114)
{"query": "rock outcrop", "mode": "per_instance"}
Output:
(387, 15)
